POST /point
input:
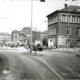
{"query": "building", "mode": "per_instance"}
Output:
(26, 31)
(21, 36)
(25, 35)
(64, 27)
(15, 36)
(4, 37)
(44, 34)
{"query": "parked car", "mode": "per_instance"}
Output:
(37, 48)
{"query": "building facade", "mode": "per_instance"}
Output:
(26, 31)
(64, 27)
(44, 34)
(21, 36)
(15, 36)
(5, 37)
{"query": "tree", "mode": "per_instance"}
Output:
(45, 41)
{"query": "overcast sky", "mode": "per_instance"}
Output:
(16, 14)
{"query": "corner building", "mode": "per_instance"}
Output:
(64, 27)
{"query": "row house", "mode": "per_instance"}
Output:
(64, 27)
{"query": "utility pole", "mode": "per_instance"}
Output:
(31, 25)
(31, 46)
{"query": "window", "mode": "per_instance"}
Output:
(68, 18)
(56, 19)
(63, 18)
(74, 19)
(68, 41)
(68, 30)
(50, 21)
(49, 31)
(78, 19)
(54, 31)
(78, 42)
(78, 30)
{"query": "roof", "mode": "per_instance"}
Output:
(5, 33)
(45, 32)
(70, 9)
(26, 28)
(15, 31)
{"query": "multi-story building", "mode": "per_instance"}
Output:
(5, 37)
(15, 35)
(21, 36)
(26, 31)
(64, 27)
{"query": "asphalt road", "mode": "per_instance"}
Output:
(23, 67)
(52, 65)
(67, 65)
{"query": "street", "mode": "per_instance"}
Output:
(24, 67)
(19, 64)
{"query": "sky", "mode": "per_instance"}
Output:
(16, 14)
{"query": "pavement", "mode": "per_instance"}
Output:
(41, 53)
(66, 49)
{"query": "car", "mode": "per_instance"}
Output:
(37, 48)
(40, 48)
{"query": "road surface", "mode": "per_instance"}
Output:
(51, 65)
(23, 67)
(67, 65)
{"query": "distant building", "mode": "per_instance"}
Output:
(25, 35)
(36, 35)
(64, 27)
(15, 35)
(26, 31)
(5, 37)
(44, 34)
(21, 36)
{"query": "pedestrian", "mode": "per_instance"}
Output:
(35, 48)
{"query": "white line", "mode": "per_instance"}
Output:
(73, 71)
(50, 68)
(53, 71)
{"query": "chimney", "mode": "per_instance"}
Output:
(65, 6)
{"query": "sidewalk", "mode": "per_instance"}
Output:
(44, 52)
(66, 50)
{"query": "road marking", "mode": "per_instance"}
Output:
(53, 70)
(50, 68)
(73, 71)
